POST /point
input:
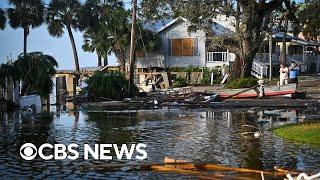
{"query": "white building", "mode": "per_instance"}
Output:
(181, 48)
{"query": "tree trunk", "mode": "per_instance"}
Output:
(250, 39)
(238, 12)
(122, 65)
(131, 74)
(248, 53)
(25, 39)
(121, 60)
(74, 49)
(105, 61)
(132, 48)
(99, 61)
(236, 68)
(284, 44)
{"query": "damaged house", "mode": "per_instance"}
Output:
(181, 48)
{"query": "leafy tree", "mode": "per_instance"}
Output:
(111, 85)
(92, 43)
(35, 71)
(92, 11)
(111, 32)
(65, 14)
(97, 36)
(121, 36)
(6, 71)
(3, 19)
(309, 17)
(146, 40)
(250, 16)
(25, 14)
(284, 16)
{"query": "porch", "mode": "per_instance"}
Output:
(219, 58)
(309, 63)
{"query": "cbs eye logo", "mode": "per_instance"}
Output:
(28, 151)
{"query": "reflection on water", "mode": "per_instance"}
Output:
(197, 135)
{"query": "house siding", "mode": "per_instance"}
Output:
(180, 30)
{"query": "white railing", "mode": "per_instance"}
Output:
(259, 70)
(217, 56)
(264, 57)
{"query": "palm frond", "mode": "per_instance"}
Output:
(55, 28)
(35, 70)
(3, 19)
(26, 13)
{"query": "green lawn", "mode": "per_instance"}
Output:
(307, 133)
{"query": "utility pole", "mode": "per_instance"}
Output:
(132, 47)
(270, 56)
(270, 48)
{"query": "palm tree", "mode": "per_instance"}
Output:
(108, 30)
(6, 71)
(65, 14)
(97, 37)
(99, 42)
(25, 14)
(3, 19)
(35, 71)
(119, 29)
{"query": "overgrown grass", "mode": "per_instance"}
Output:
(307, 133)
(242, 83)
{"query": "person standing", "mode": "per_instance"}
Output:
(283, 74)
(294, 72)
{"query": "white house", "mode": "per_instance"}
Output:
(304, 53)
(181, 48)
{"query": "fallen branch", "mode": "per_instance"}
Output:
(177, 170)
(185, 167)
(214, 167)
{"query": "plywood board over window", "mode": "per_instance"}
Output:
(184, 47)
(187, 47)
(176, 47)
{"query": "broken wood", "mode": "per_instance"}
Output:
(215, 167)
(202, 171)
(177, 170)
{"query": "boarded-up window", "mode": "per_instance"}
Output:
(184, 47)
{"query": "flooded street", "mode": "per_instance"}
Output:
(196, 135)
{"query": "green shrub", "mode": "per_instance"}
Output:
(242, 83)
(206, 80)
(180, 82)
(107, 85)
(188, 69)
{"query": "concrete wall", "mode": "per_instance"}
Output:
(180, 30)
(70, 84)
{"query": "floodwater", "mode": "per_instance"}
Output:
(197, 135)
